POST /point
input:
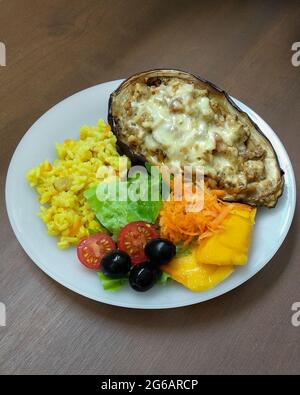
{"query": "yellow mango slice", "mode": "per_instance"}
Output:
(231, 245)
(196, 276)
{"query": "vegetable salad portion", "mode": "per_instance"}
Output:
(137, 240)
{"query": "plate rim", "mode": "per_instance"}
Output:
(65, 283)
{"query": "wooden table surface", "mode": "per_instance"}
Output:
(58, 47)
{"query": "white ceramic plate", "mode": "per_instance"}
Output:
(63, 121)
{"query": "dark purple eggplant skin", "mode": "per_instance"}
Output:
(136, 159)
(123, 148)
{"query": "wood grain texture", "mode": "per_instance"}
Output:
(57, 47)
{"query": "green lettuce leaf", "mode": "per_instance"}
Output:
(111, 284)
(113, 213)
(164, 278)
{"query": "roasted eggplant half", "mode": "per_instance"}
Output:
(177, 119)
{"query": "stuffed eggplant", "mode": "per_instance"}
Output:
(175, 118)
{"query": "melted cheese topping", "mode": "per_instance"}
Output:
(177, 118)
(177, 124)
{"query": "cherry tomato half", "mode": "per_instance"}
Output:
(92, 249)
(133, 238)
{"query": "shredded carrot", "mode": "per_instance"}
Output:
(178, 224)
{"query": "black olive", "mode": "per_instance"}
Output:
(142, 277)
(116, 264)
(160, 251)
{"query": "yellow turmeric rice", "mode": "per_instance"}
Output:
(60, 186)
